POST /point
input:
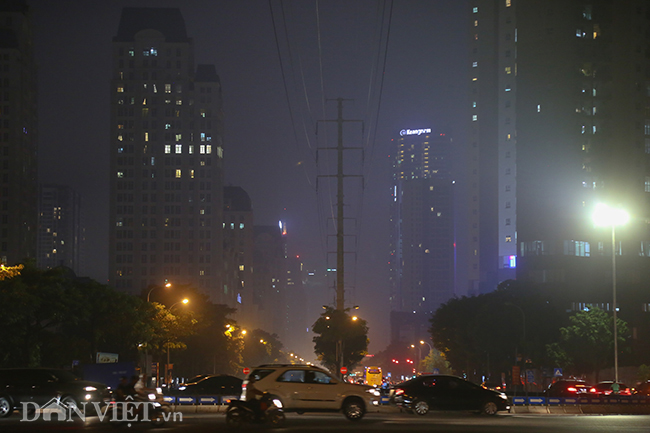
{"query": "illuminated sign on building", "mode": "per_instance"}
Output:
(404, 132)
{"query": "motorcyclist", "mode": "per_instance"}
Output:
(253, 398)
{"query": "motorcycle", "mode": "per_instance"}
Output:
(131, 410)
(243, 412)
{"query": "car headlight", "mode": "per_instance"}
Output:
(503, 396)
(159, 390)
(151, 396)
(182, 388)
(90, 388)
(277, 403)
(374, 391)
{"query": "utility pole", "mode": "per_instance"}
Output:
(340, 228)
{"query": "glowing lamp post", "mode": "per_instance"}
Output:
(605, 216)
(167, 367)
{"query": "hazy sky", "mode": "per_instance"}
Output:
(328, 49)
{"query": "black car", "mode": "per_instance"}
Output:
(41, 385)
(442, 392)
(211, 385)
(568, 388)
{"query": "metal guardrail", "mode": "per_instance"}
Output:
(214, 400)
(549, 401)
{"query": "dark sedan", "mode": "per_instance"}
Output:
(568, 388)
(223, 385)
(424, 393)
(41, 386)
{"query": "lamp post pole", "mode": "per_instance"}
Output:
(607, 216)
(614, 302)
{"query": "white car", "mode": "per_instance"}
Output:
(305, 388)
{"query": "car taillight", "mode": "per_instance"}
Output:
(572, 389)
(592, 390)
(399, 391)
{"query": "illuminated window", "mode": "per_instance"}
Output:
(474, 117)
(508, 70)
(202, 112)
(241, 267)
(202, 149)
(241, 226)
(146, 136)
(192, 174)
(475, 10)
(474, 64)
(120, 174)
(475, 23)
(168, 88)
(168, 148)
(220, 151)
(178, 174)
(120, 89)
(191, 149)
(203, 136)
(508, 3)
(208, 148)
(179, 137)
(508, 238)
(179, 148)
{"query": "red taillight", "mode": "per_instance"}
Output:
(593, 390)
(399, 391)
(572, 389)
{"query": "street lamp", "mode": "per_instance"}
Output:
(605, 216)
(167, 286)
(167, 378)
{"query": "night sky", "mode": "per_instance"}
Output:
(270, 143)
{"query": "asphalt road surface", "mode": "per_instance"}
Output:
(375, 422)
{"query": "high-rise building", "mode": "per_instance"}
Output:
(60, 233)
(269, 276)
(422, 220)
(18, 135)
(238, 253)
(166, 174)
(559, 121)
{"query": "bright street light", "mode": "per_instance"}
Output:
(167, 286)
(606, 216)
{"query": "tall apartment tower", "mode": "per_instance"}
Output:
(422, 220)
(238, 253)
(18, 135)
(559, 121)
(166, 177)
(59, 227)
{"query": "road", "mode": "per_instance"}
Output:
(375, 422)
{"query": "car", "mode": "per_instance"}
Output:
(607, 387)
(307, 388)
(41, 385)
(643, 389)
(567, 388)
(197, 378)
(444, 392)
(494, 386)
(223, 385)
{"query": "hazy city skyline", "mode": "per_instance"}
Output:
(422, 87)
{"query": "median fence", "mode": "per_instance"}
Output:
(216, 400)
(621, 404)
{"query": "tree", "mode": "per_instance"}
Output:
(586, 345)
(342, 335)
(435, 360)
(260, 347)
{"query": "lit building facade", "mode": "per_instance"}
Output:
(422, 252)
(166, 174)
(60, 231)
(559, 121)
(18, 135)
(238, 253)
